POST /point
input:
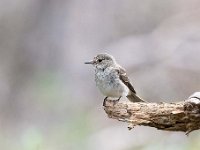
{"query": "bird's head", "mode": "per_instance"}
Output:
(102, 61)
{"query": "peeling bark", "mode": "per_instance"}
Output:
(180, 116)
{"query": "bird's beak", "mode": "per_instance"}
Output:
(90, 62)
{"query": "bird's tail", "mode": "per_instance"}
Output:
(134, 98)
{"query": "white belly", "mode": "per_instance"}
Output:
(110, 85)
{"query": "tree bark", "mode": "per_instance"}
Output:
(179, 116)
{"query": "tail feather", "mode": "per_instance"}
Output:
(134, 98)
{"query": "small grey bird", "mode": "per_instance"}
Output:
(111, 79)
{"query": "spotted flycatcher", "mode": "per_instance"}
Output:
(111, 79)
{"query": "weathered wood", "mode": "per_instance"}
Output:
(180, 116)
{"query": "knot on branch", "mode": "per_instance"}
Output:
(192, 104)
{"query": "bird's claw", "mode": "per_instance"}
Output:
(104, 101)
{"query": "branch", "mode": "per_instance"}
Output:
(180, 116)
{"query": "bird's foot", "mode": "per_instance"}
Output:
(119, 98)
(104, 101)
(116, 101)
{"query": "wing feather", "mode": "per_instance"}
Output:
(124, 78)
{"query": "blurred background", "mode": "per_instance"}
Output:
(48, 96)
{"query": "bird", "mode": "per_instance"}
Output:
(112, 79)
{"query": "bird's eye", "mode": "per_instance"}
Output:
(99, 60)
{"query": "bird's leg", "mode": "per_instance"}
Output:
(104, 101)
(116, 101)
(119, 98)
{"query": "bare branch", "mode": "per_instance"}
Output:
(180, 116)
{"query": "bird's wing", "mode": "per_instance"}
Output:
(124, 78)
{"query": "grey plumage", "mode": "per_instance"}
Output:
(132, 93)
(111, 78)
